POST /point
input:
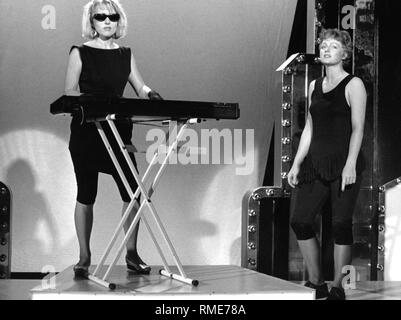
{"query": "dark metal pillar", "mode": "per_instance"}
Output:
(5, 232)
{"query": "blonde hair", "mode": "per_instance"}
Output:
(341, 36)
(88, 31)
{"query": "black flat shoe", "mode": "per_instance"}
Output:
(336, 294)
(81, 271)
(322, 291)
(138, 267)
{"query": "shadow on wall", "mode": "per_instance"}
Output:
(235, 252)
(180, 215)
(35, 235)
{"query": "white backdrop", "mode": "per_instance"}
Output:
(225, 50)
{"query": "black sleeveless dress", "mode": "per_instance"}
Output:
(105, 73)
(332, 129)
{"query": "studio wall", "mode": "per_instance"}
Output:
(225, 50)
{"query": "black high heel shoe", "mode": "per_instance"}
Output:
(81, 271)
(336, 294)
(137, 266)
(322, 290)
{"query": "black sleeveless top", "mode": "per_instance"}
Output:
(332, 129)
(104, 72)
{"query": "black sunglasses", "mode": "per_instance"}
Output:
(101, 17)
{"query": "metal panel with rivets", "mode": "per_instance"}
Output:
(266, 235)
(297, 73)
(5, 232)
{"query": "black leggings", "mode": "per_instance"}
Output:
(87, 182)
(308, 200)
(87, 179)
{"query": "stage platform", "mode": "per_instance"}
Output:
(375, 290)
(215, 283)
(17, 289)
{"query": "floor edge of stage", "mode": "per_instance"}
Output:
(215, 283)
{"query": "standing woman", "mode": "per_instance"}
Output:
(328, 164)
(101, 67)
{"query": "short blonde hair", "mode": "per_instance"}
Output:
(112, 5)
(341, 36)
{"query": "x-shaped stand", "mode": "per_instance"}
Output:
(146, 201)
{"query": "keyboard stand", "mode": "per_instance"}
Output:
(145, 201)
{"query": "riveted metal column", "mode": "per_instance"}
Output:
(5, 232)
